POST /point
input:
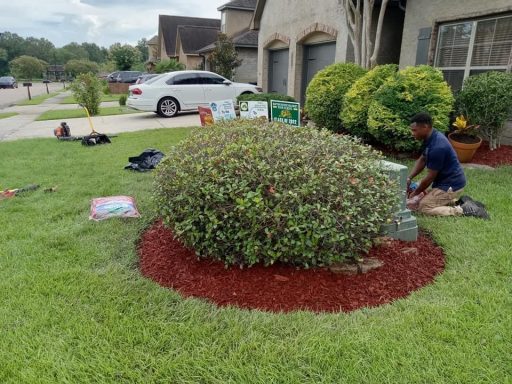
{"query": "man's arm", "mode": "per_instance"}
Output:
(419, 166)
(425, 183)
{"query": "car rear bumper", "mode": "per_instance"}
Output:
(140, 104)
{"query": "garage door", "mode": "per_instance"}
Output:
(278, 71)
(316, 57)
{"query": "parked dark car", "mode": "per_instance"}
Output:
(112, 78)
(8, 82)
(145, 77)
(129, 77)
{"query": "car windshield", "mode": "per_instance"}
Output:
(152, 80)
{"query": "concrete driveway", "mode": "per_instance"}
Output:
(24, 125)
(9, 97)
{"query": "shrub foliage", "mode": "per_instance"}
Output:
(252, 192)
(486, 100)
(412, 90)
(87, 92)
(354, 113)
(325, 93)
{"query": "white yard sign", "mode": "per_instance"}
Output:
(223, 110)
(253, 109)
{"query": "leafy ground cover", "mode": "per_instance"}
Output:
(60, 114)
(76, 309)
(104, 98)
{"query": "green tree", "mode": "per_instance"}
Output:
(4, 63)
(76, 67)
(168, 66)
(224, 58)
(27, 67)
(142, 47)
(96, 53)
(13, 44)
(77, 51)
(124, 56)
(40, 48)
(87, 91)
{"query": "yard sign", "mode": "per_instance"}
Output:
(223, 110)
(253, 109)
(285, 112)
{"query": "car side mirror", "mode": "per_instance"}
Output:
(227, 82)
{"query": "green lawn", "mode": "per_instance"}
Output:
(75, 309)
(104, 98)
(60, 114)
(6, 115)
(36, 100)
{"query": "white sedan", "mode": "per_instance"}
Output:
(173, 92)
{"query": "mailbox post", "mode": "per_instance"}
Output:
(64, 83)
(28, 85)
(46, 83)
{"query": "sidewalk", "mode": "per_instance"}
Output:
(23, 125)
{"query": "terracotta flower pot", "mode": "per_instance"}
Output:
(465, 151)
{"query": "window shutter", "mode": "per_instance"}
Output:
(423, 48)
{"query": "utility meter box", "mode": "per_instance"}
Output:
(404, 225)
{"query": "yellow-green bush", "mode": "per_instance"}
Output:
(325, 93)
(354, 113)
(412, 90)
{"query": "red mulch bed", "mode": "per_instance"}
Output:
(284, 288)
(500, 156)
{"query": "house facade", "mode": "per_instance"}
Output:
(299, 38)
(236, 17)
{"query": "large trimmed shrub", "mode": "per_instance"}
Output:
(412, 90)
(486, 100)
(354, 113)
(247, 192)
(325, 93)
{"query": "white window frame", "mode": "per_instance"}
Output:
(468, 68)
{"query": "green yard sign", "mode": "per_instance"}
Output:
(285, 112)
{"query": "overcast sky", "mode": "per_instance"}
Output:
(99, 21)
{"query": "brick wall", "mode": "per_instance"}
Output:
(118, 88)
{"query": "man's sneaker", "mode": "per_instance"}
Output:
(470, 208)
(464, 199)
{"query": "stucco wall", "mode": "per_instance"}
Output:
(422, 14)
(237, 21)
(248, 71)
(285, 23)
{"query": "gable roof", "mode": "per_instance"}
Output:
(248, 5)
(168, 28)
(153, 40)
(258, 12)
(245, 39)
(193, 38)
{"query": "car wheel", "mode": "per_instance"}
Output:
(168, 107)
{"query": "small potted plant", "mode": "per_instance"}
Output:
(464, 139)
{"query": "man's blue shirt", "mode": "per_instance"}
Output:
(440, 156)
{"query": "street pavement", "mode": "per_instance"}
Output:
(9, 97)
(24, 125)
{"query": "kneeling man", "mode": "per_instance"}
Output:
(444, 174)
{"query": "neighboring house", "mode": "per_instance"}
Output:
(168, 35)
(236, 17)
(189, 40)
(153, 49)
(299, 38)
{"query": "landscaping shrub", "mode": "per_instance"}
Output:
(412, 90)
(265, 97)
(171, 65)
(122, 100)
(325, 93)
(247, 192)
(486, 100)
(87, 91)
(354, 113)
